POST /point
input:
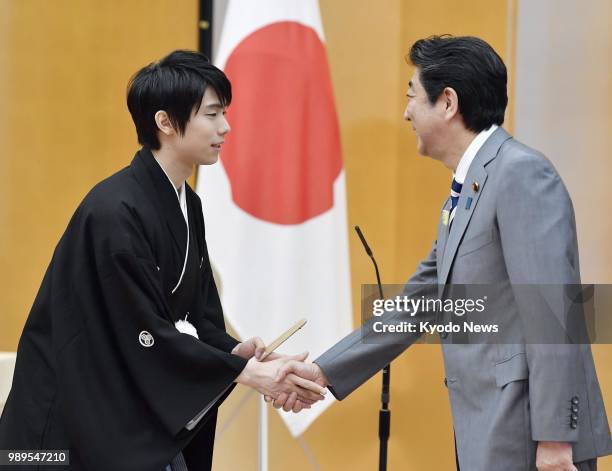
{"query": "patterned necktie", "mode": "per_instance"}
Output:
(455, 192)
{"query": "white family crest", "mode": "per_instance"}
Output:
(146, 339)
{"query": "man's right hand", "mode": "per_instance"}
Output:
(307, 371)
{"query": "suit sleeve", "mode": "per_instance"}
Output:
(538, 237)
(362, 353)
(177, 375)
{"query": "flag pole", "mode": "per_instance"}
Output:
(205, 46)
(262, 455)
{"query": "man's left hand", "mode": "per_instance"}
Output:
(249, 348)
(554, 456)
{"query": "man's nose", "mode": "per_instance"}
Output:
(225, 127)
(406, 114)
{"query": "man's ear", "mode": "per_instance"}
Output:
(450, 102)
(163, 123)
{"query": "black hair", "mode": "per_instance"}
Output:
(469, 66)
(175, 84)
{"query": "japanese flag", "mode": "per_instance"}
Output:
(275, 204)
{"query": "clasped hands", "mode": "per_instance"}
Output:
(287, 381)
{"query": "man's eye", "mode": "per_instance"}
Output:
(212, 115)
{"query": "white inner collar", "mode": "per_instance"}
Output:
(470, 153)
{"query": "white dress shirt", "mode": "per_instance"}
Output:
(470, 153)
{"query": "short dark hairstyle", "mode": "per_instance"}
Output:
(472, 68)
(175, 84)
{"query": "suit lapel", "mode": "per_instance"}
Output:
(462, 217)
(463, 214)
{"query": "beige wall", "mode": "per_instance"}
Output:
(64, 126)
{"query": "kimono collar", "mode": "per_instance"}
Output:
(164, 195)
(181, 193)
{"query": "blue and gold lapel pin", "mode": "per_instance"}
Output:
(468, 202)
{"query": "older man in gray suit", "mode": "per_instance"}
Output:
(509, 222)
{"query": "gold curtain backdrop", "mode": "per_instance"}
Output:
(64, 126)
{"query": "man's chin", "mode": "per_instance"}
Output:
(209, 160)
(421, 149)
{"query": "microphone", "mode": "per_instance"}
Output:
(371, 255)
(363, 241)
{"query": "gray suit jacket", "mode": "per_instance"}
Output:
(519, 230)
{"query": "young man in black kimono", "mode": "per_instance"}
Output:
(124, 357)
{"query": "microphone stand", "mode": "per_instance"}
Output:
(384, 415)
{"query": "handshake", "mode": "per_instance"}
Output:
(286, 381)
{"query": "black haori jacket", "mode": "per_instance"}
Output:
(101, 369)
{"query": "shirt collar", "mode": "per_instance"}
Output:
(470, 153)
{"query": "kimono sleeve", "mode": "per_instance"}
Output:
(209, 319)
(210, 324)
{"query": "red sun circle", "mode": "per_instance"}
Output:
(283, 153)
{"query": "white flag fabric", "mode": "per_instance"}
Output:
(275, 204)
